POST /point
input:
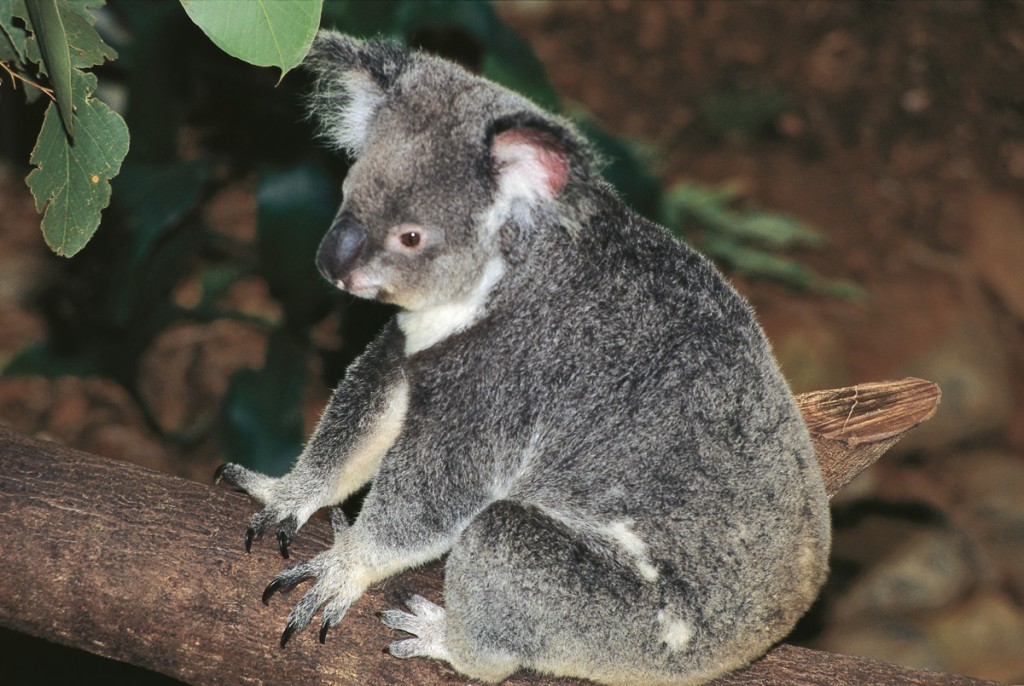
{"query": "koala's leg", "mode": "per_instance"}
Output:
(524, 589)
(362, 420)
(409, 517)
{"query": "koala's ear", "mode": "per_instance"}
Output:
(531, 160)
(352, 79)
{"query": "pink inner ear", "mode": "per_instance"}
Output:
(535, 156)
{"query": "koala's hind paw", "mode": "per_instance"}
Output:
(331, 592)
(427, 623)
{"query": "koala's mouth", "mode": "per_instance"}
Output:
(358, 283)
(362, 286)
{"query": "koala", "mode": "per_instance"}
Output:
(573, 406)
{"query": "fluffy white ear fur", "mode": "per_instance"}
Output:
(532, 165)
(349, 126)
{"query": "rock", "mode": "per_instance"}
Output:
(987, 487)
(996, 222)
(983, 637)
(232, 212)
(988, 484)
(837, 63)
(897, 642)
(251, 296)
(24, 403)
(971, 366)
(94, 414)
(927, 572)
(186, 371)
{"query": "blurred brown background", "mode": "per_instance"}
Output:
(902, 141)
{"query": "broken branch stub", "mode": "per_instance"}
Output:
(852, 427)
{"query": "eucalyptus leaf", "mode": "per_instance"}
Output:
(12, 41)
(759, 263)
(87, 47)
(267, 33)
(48, 30)
(72, 179)
(709, 207)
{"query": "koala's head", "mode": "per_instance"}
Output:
(444, 162)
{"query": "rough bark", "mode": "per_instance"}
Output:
(149, 569)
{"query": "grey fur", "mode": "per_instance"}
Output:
(575, 406)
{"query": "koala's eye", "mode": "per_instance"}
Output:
(410, 239)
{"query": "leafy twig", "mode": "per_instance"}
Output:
(15, 77)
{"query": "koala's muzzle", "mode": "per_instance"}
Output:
(340, 249)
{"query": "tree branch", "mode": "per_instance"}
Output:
(149, 569)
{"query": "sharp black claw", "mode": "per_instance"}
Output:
(288, 631)
(250, 534)
(282, 544)
(324, 628)
(219, 474)
(272, 588)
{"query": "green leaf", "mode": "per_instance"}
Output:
(48, 29)
(267, 33)
(761, 264)
(12, 44)
(155, 202)
(155, 198)
(87, 48)
(709, 207)
(72, 180)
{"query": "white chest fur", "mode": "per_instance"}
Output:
(426, 327)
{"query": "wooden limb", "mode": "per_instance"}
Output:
(852, 427)
(149, 569)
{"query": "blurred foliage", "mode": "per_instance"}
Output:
(748, 241)
(743, 113)
(201, 121)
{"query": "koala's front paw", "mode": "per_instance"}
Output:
(335, 590)
(288, 515)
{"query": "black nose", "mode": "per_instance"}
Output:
(340, 248)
